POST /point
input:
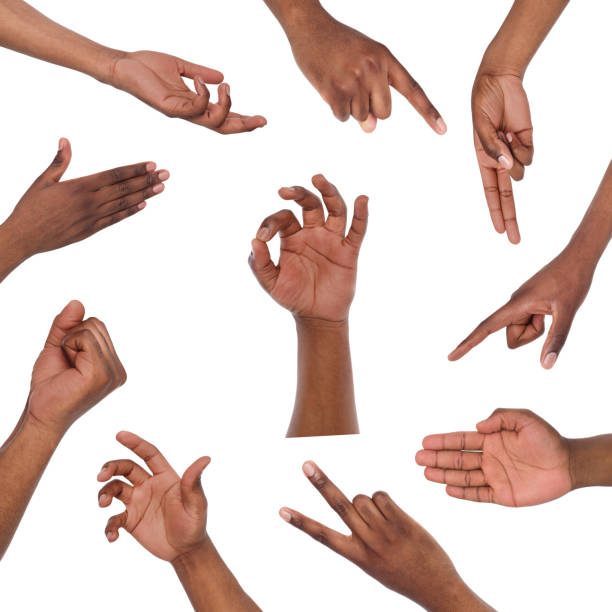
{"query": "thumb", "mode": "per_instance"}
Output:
(262, 265)
(191, 485)
(71, 315)
(491, 142)
(503, 419)
(60, 163)
(557, 335)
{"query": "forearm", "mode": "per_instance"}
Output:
(520, 36)
(23, 459)
(325, 399)
(26, 30)
(209, 584)
(591, 461)
(593, 234)
(293, 14)
(12, 251)
(455, 597)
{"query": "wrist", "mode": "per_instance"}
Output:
(295, 17)
(457, 596)
(105, 65)
(192, 561)
(13, 247)
(315, 324)
(499, 61)
(578, 449)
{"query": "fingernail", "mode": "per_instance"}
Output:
(263, 233)
(286, 516)
(509, 137)
(549, 360)
(158, 188)
(163, 175)
(150, 166)
(103, 498)
(101, 473)
(141, 206)
(504, 161)
(227, 87)
(109, 536)
(440, 125)
(309, 469)
(201, 80)
(61, 144)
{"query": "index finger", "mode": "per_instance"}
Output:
(117, 175)
(458, 440)
(210, 75)
(400, 79)
(145, 450)
(338, 542)
(334, 497)
(499, 319)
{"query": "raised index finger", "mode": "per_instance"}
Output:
(499, 319)
(145, 450)
(458, 440)
(400, 79)
(334, 497)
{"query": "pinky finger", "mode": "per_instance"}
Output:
(115, 523)
(119, 216)
(475, 494)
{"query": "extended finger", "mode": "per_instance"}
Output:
(117, 175)
(115, 488)
(336, 208)
(312, 208)
(500, 318)
(458, 478)
(117, 217)
(334, 497)
(119, 521)
(506, 199)
(284, 223)
(126, 468)
(400, 79)
(449, 459)
(338, 542)
(138, 184)
(477, 494)
(129, 201)
(145, 450)
(238, 124)
(491, 189)
(359, 224)
(457, 440)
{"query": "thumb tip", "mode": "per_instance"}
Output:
(549, 360)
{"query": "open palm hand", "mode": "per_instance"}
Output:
(514, 459)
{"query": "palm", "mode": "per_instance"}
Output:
(158, 519)
(154, 78)
(527, 467)
(317, 274)
(503, 101)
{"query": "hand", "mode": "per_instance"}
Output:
(77, 368)
(352, 73)
(503, 137)
(53, 214)
(166, 514)
(558, 289)
(157, 80)
(514, 459)
(316, 273)
(386, 544)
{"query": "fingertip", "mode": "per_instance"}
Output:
(549, 361)
(163, 175)
(285, 514)
(440, 126)
(309, 469)
(111, 536)
(150, 166)
(369, 125)
(123, 436)
(505, 162)
(417, 457)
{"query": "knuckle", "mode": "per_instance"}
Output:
(319, 481)
(319, 536)
(115, 174)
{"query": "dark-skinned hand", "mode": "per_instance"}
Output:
(515, 458)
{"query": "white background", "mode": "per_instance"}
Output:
(211, 358)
